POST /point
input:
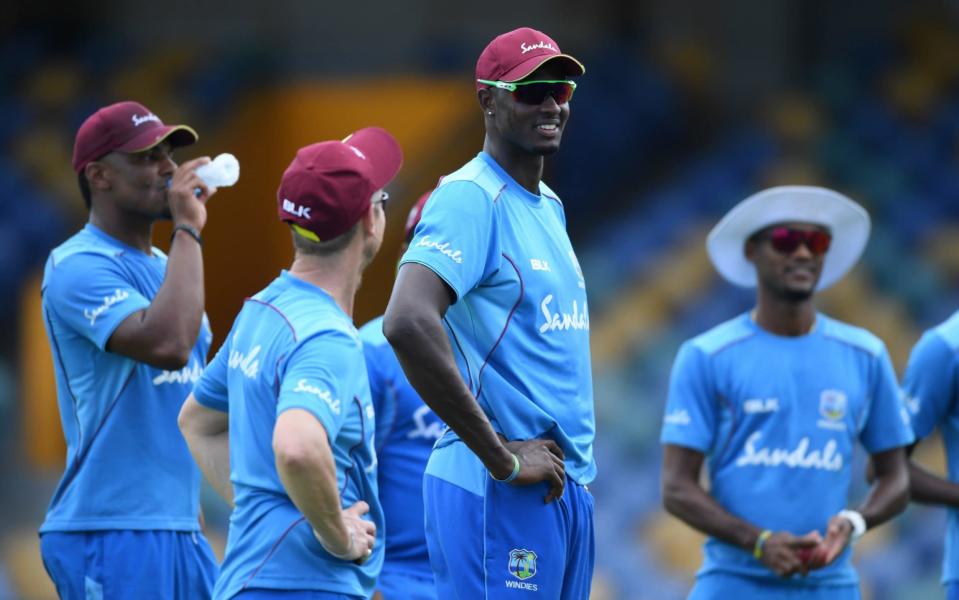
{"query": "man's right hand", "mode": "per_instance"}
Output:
(540, 460)
(361, 535)
(781, 552)
(185, 207)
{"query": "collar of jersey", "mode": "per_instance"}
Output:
(533, 199)
(103, 235)
(293, 281)
(813, 332)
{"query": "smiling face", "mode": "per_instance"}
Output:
(790, 274)
(135, 183)
(530, 129)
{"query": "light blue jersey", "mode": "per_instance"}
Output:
(128, 466)
(292, 347)
(520, 325)
(930, 386)
(406, 430)
(778, 418)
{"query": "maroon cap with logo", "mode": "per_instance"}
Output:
(514, 55)
(328, 186)
(124, 127)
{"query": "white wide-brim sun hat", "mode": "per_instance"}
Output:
(845, 219)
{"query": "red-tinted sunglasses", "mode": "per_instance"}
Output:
(786, 240)
(536, 92)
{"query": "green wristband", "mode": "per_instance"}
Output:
(511, 476)
(760, 542)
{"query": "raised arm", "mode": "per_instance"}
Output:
(164, 333)
(685, 498)
(413, 325)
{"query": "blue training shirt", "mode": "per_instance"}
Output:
(930, 386)
(127, 465)
(406, 430)
(778, 419)
(292, 347)
(519, 327)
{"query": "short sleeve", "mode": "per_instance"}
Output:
(212, 389)
(457, 236)
(691, 409)
(887, 422)
(930, 382)
(315, 379)
(91, 295)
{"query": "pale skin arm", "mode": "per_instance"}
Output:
(164, 333)
(414, 328)
(304, 461)
(685, 498)
(207, 435)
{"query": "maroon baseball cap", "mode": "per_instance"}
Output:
(125, 127)
(327, 187)
(416, 213)
(514, 55)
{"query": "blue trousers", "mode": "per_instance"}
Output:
(507, 542)
(116, 565)
(722, 586)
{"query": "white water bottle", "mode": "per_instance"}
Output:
(222, 171)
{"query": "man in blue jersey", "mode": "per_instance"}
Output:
(489, 320)
(930, 391)
(777, 399)
(129, 339)
(283, 412)
(406, 430)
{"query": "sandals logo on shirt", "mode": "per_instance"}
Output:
(522, 565)
(441, 247)
(108, 301)
(324, 395)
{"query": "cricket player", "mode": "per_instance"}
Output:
(929, 388)
(489, 320)
(776, 399)
(129, 338)
(406, 430)
(282, 422)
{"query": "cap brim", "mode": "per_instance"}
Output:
(571, 66)
(178, 135)
(847, 221)
(383, 151)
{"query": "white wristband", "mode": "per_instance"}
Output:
(855, 519)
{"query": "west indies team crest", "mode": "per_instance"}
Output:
(832, 404)
(522, 563)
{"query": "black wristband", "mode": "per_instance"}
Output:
(193, 233)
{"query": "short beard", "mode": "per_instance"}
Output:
(795, 296)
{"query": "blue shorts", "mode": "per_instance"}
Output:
(260, 594)
(505, 541)
(108, 565)
(393, 584)
(721, 586)
(952, 590)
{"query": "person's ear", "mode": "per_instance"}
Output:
(486, 101)
(98, 176)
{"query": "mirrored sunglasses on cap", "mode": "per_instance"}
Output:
(536, 91)
(786, 240)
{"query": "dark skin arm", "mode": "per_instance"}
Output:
(413, 324)
(164, 333)
(685, 498)
(887, 498)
